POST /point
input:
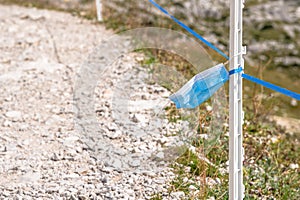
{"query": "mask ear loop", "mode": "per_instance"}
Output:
(227, 62)
(159, 111)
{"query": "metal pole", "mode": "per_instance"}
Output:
(99, 10)
(236, 151)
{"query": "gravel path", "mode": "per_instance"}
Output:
(42, 154)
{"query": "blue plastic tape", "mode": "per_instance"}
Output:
(191, 31)
(272, 86)
(234, 71)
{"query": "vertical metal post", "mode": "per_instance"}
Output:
(236, 151)
(99, 10)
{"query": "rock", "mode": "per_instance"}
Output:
(192, 188)
(218, 181)
(149, 173)
(192, 149)
(55, 157)
(72, 197)
(139, 118)
(115, 163)
(10, 147)
(14, 115)
(78, 149)
(5, 193)
(177, 195)
(52, 188)
(112, 127)
(210, 181)
(162, 140)
(115, 135)
(160, 155)
(83, 197)
(83, 171)
(294, 166)
(209, 108)
(71, 139)
(104, 180)
(294, 102)
(135, 163)
(7, 123)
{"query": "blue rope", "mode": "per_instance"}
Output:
(272, 86)
(188, 29)
(234, 71)
(237, 70)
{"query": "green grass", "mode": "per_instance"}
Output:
(269, 152)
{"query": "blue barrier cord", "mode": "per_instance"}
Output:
(265, 84)
(238, 70)
(272, 86)
(188, 29)
(234, 71)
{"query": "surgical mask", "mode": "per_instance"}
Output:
(201, 87)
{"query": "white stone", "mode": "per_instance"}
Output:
(135, 163)
(7, 123)
(115, 135)
(192, 149)
(139, 118)
(294, 102)
(192, 188)
(209, 108)
(177, 195)
(294, 166)
(210, 181)
(218, 181)
(160, 155)
(30, 177)
(14, 115)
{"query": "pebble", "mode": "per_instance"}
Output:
(294, 166)
(185, 179)
(210, 181)
(135, 163)
(218, 181)
(55, 157)
(14, 115)
(177, 195)
(115, 135)
(30, 177)
(160, 155)
(192, 188)
(7, 123)
(294, 102)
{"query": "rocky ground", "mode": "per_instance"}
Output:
(42, 154)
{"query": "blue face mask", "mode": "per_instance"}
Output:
(201, 87)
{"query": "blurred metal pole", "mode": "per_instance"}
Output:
(236, 151)
(99, 10)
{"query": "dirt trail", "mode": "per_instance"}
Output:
(41, 153)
